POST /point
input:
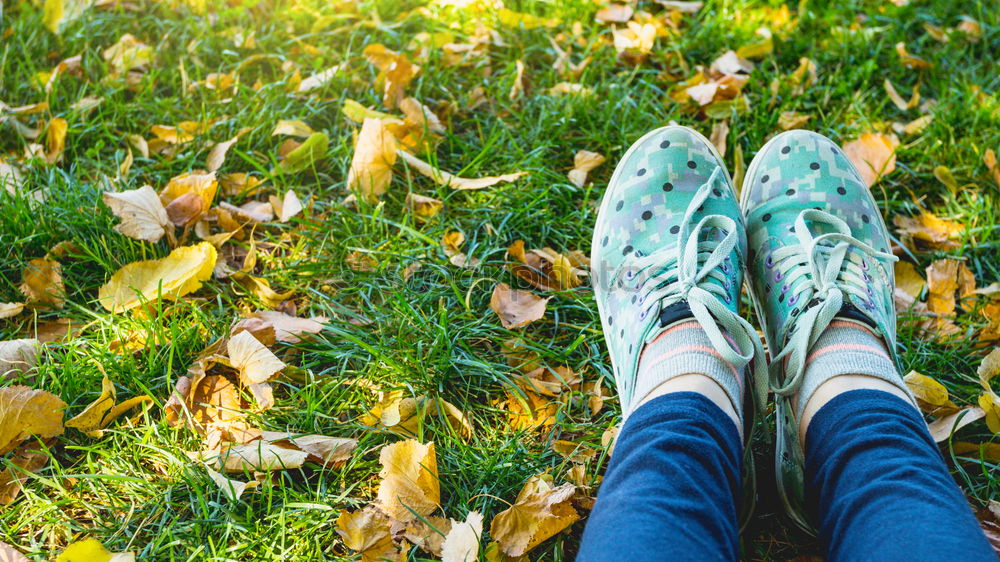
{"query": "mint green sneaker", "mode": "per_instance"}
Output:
(819, 249)
(669, 246)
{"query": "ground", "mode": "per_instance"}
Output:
(432, 332)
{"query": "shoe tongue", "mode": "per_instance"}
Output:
(675, 312)
(850, 312)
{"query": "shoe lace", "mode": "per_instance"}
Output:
(685, 273)
(816, 271)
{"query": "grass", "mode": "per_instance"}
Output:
(135, 489)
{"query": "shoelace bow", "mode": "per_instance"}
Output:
(671, 275)
(818, 272)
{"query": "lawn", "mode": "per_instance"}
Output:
(410, 351)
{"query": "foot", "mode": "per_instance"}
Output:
(819, 251)
(668, 248)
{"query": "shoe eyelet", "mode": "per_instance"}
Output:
(793, 300)
(643, 314)
(726, 284)
(630, 275)
(866, 277)
(871, 304)
(864, 265)
(870, 292)
(727, 298)
(784, 288)
(725, 268)
(769, 263)
(778, 277)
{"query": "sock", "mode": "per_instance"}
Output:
(683, 349)
(846, 347)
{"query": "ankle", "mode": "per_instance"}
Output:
(838, 385)
(698, 383)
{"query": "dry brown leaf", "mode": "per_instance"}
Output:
(420, 116)
(286, 208)
(141, 212)
(547, 269)
(232, 489)
(326, 450)
(409, 480)
(583, 162)
(873, 155)
(634, 41)
(260, 456)
(528, 410)
(428, 536)
(10, 554)
(127, 54)
(368, 532)
(517, 88)
(404, 415)
(189, 196)
(217, 155)
(908, 60)
(461, 544)
(25, 412)
(55, 139)
(549, 381)
(944, 278)
(444, 178)
(43, 284)
(318, 80)
(719, 134)
(516, 308)
(374, 155)
(395, 72)
(540, 511)
(926, 228)
(942, 428)
(574, 452)
(172, 277)
(422, 206)
(614, 13)
(10, 309)
(255, 362)
(293, 128)
(791, 120)
(29, 457)
(287, 328)
(990, 160)
(18, 356)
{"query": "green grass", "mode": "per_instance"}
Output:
(135, 489)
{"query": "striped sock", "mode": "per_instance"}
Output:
(683, 349)
(846, 347)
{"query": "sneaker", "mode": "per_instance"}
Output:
(819, 250)
(669, 246)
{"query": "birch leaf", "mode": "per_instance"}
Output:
(371, 166)
(141, 212)
(180, 273)
(254, 361)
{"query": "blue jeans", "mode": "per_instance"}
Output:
(875, 477)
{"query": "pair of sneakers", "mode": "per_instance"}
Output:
(672, 242)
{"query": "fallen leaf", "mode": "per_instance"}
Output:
(759, 48)
(367, 531)
(141, 212)
(358, 113)
(293, 128)
(510, 18)
(444, 178)
(614, 13)
(374, 156)
(583, 162)
(43, 283)
(970, 28)
(188, 196)
(942, 428)
(540, 511)
(318, 80)
(232, 489)
(101, 412)
(989, 159)
(926, 389)
(428, 534)
(683, 6)
(527, 410)
(25, 412)
(908, 60)
(547, 269)
(635, 41)
(720, 131)
(791, 120)
(516, 308)
(928, 229)
(10, 554)
(461, 544)
(217, 155)
(574, 452)
(326, 450)
(55, 139)
(944, 278)
(568, 88)
(288, 207)
(908, 279)
(287, 328)
(420, 116)
(172, 277)
(260, 455)
(306, 155)
(404, 415)
(395, 72)
(18, 356)
(422, 206)
(409, 484)
(873, 155)
(255, 362)
(127, 54)
(91, 550)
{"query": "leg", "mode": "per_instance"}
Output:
(880, 485)
(672, 488)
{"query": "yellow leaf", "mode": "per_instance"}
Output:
(217, 155)
(172, 277)
(990, 404)
(422, 206)
(55, 139)
(989, 367)
(943, 175)
(936, 233)
(367, 531)
(511, 18)
(288, 328)
(420, 116)
(908, 60)
(926, 388)
(141, 212)
(444, 178)
(288, 207)
(944, 278)
(294, 128)
(395, 72)
(540, 511)
(614, 13)
(260, 456)
(461, 544)
(43, 283)
(127, 54)
(25, 412)
(583, 162)
(873, 155)
(91, 550)
(759, 48)
(989, 158)
(516, 308)
(52, 15)
(791, 120)
(942, 428)
(318, 80)
(358, 113)
(89, 420)
(374, 155)
(409, 480)
(254, 361)
(908, 279)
